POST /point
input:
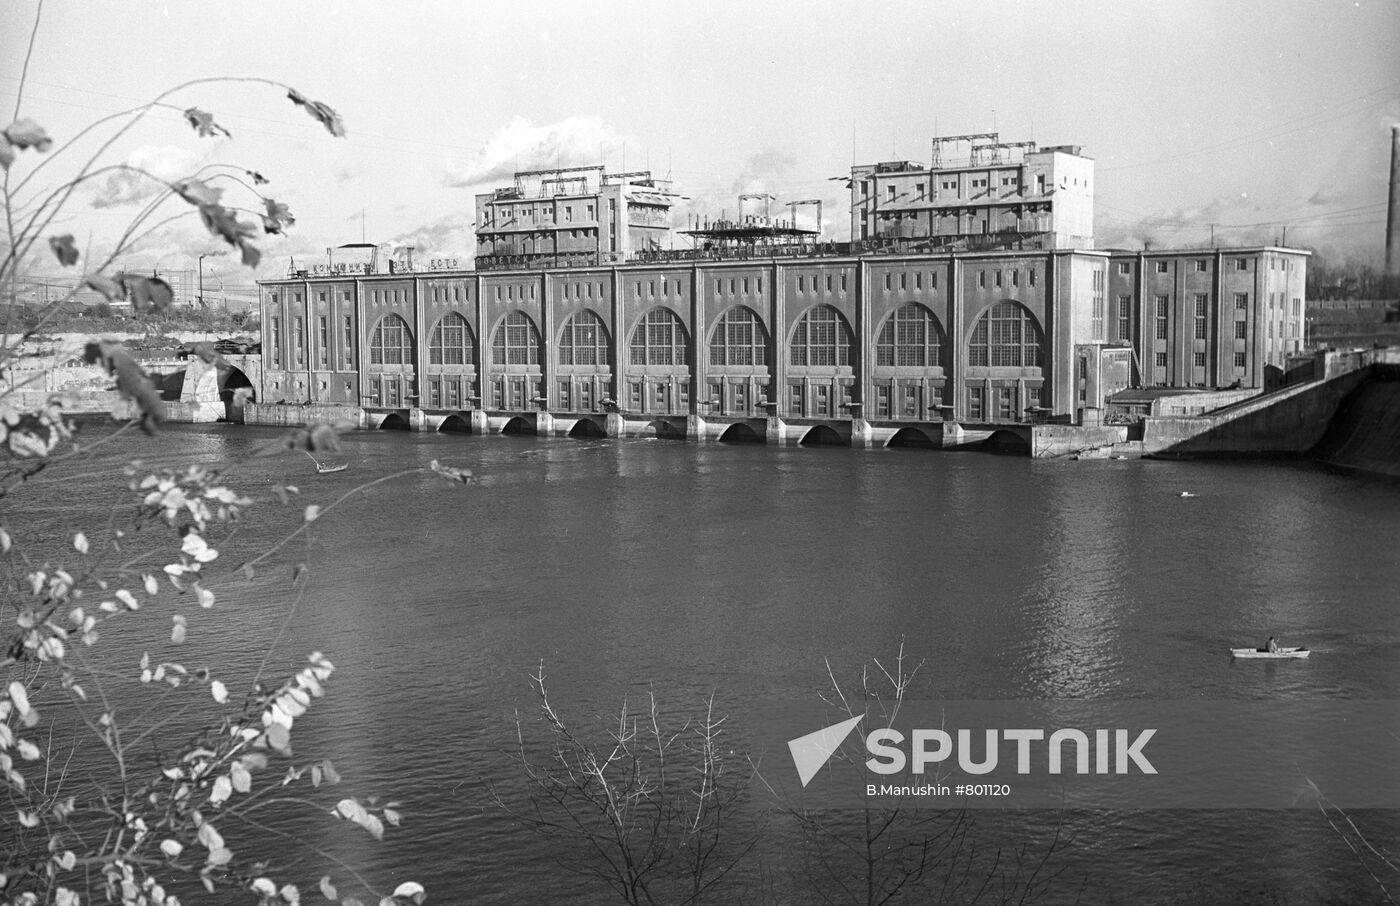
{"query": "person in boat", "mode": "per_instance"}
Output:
(1272, 645)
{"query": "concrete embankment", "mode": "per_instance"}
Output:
(1365, 434)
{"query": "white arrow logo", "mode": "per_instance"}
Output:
(810, 752)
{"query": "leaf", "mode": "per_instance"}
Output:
(28, 750)
(312, 513)
(220, 856)
(219, 691)
(64, 250)
(264, 886)
(132, 382)
(198, 193)
(412, 890)
(223, 788)
(257, 178)
(321, 112)
(327, 889)
(177, 630)
(7, 152)
(277, 217)
(209, 836)
(80, 544)
(108, 287)
(279, 738)
(26, 133)
(171, 848)
(203, 123)
(19, 696)
(242, 780)
(393, 818)
(349, 808)
(205, 351)
(148, 293)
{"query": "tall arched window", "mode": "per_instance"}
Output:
(910, 336)
(659, 339)
(821, 338)
(391, 343)
(451, 342)
(739, 339)
(1006, 336)
(584, 341)
(516, 342)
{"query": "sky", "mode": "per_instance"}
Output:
(1254, 117)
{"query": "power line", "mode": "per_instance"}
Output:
(1268, 132)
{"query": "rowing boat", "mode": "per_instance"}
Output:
(1262, 653)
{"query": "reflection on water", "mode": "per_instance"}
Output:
(739, 571)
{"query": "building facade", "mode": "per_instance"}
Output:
(572, 216)
(979, 193)
(1004, 336)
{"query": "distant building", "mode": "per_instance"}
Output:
(978, 193)
(572, 216)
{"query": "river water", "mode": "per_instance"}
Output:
(742, 571)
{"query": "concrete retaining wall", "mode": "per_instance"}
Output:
(1050, 441)
(284, 416)
(1288, 421)
(1365, 434)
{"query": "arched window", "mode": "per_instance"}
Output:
(391, 343)
(910, 336)
(659, 339)
(821, 338)
(584, 341)
(1006, 336)
(451, 342)
(739, 339)
(516, 342)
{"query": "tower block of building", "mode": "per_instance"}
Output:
(570, 217)
(977, 194)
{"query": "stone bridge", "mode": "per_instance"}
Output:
(194, 390)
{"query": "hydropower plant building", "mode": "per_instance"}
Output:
(981, 310)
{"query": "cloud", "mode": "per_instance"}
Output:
(578, 141)
(124, 187)
(453, 236)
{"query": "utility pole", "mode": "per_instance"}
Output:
(201, 280)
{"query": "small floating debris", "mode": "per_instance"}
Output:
(1187, 494)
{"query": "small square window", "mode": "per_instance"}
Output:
(1124, 267)
(1161, 267)
(1200, 265)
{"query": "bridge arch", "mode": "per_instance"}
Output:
(587, 427)
(823, 436)
(455, 424)
(1010, 443)
(395, 421)
(740, 433)
(235, 389)
(910, 437)
(518, 425)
